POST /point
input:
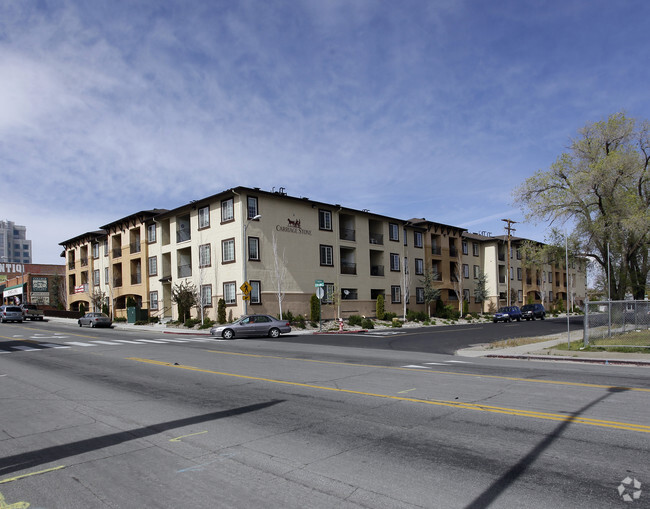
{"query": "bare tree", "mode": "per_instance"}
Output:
(97, 299)
(279, 272)
(457, 282)
(405, 283)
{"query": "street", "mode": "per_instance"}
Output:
(95, 418)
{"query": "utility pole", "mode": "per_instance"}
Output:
(509, 229)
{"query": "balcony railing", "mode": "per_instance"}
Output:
(436, 250)
(71, 265)
(377, 270)
(135, 246)
(117, 282)
(84, 262)
(117, 252)
(347, 234)
(377, 238)
(348, 268)
(502, 280)
(183, 235)
(184, 270)
(136, 279)
(453, 251)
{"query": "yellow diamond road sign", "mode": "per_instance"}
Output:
(246, 288)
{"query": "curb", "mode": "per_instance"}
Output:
(584, 360)
(339, 332)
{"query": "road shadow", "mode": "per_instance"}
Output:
(32, 459)
(499, 486)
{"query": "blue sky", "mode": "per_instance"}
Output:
(434, 109)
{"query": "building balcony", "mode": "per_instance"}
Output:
(347, 234)
(184, 270)
(502, 280)
(117, 282)
(453, 252)
(136, 279)
(502, 257)
(117, 252)
(377, 270)
(436, 250)
(348, 268)
(377, 238)
(71, 265)
(135, 247)
(183, 235)
(84, 262)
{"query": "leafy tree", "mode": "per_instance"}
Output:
(480, 290)
(82, 308)
(185, 296)
(314, 308)
(601, 186)
(431, 293)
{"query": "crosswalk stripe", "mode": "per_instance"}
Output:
(53, 345)
(26, 348)
(105, 342)
(127, 341)
(149, 341)
(78, 343)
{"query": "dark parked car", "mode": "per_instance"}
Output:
(252, 325)
(11, 314)
(95, 320)
(507, 314)
(532, 311)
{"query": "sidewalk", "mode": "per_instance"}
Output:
(546, 351)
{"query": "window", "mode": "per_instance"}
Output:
(475, 251)
(465, 247)
(204, 217)
(395, 294)
(227, 211)
(228, 250)
(151, 233)
(253, 248)
(229, 294)
(106, 276)
(550, 295)
(349, 294)
(417, 239)
(477, 271)
(512, 273)
(518, 254)
(328, 297)
(96, 277)
(465, 271)
(404, 232)
(394, 262)
(256, 294)
(96, 250)
(153, 300)
(326, 255)
(106, 247)
(550, 277)
(466, 295)
(419, 266)
(393, 231)
(204, 255)
(518, 273)
(519, 296)
(252, 206)
(206, 296)
(419, 295)
(324, 220)
(153, 266)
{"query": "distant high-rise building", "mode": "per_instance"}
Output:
(14, 246)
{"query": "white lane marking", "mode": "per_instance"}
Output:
(434, 363)
(104, 342)
(127, 341)
(26, 348)
(149, 341)
(77, 343)
(54, 345)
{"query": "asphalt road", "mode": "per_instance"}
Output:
(112, 419)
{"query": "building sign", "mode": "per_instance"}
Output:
(12, 267)
(3, 278)
(80, 289)
(40, 298)
(12, 291)
(39, 284)
(293, 226)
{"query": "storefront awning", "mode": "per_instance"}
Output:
(13, 290)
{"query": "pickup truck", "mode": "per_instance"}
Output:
(31, 312)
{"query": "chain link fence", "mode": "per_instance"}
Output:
(618, 323)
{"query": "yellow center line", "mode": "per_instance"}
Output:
(439, 372)
(33, 473)
(453, 404)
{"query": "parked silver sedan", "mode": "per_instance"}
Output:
(252, 325)
(95, 320)
(11, 314)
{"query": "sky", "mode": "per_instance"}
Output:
(418, 108)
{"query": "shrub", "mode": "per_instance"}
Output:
(396, 322)
(380, 310)
(448, 313)
(367, 324)
(191, 322)
(288, 316)
(221, 311)
(314, 308)
(82, 309)
(154, 319)
(313, 324)
(207, 323)
(388, 316)
(141, 322)
(416, 316)
(120, 319)
(300, 321)
(355, 320)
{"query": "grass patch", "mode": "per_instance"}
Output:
(509, 343)
(578, 346)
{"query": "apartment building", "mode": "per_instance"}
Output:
(283, 247)
(14, 245)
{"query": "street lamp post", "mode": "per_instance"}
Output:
(254, 218)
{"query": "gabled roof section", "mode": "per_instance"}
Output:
(84, 238)
(437, 227)
(132, 220)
